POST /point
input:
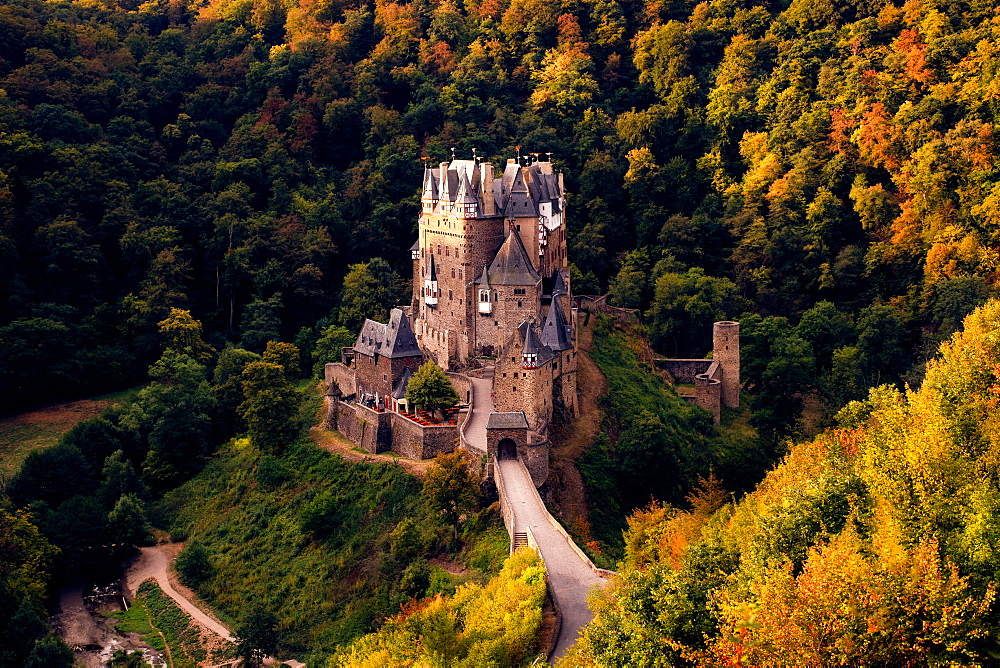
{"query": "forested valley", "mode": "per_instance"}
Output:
(185, 184)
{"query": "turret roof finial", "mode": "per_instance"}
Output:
(453, 154)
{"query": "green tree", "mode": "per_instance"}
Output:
(184, 334)
(227, 389)
(194, 564)
(328, 347)
(18, 635)
(127, 521)
(50, 652)
(684, 308)
(366, 294)
(261, 322)
(257, 635)
(118, 479)
(286, 355)
(270, 406)
(24, 576)
(430, 389)
(176, 410)
(449, 487)
(51, 475)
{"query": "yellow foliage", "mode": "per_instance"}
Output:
(481, 625)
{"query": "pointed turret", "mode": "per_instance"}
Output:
(466, 205)
(533, 351)
(558, 284)
(429, 198)
(511, 266)
(556, 332)
(431, 284)
(485, 294)
(520, 202)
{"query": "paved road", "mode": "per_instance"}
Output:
(153, 563)
(482, 406)
(570, 577)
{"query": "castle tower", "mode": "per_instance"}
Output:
(726, 338)
(468, 215)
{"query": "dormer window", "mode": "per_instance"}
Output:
(529, 361)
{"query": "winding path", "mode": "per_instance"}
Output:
(571, 575)
(154, 563)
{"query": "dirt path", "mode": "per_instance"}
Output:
(154, 562)
(564, 476)
(334, 442)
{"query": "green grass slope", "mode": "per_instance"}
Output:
(331, 547)
(654, 444)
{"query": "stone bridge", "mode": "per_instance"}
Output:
(571, 575)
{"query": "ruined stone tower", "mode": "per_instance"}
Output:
(726, 351)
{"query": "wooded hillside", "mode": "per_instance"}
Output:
(244, 159)
(874, 544)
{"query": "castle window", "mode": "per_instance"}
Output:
(453, 272)
(449, 295)
(519, 303)
(515, 374)
(518, 291)
(513, 388)
(484, 295)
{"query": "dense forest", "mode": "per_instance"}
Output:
(873, 544)
(825, 167)
(185, 184)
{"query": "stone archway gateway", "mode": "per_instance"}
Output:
(507, 449)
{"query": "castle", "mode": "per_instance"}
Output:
(491, 288)
(491, 302)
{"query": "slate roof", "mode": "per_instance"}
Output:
(400, 341)
(511, 266)
(519, 201)
(393, 340)
(558, 284)
(556, 332)
(430, 186)
(533, 344)
(518, 192)
(507, 421)
(399, 391)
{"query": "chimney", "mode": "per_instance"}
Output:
(486, 194)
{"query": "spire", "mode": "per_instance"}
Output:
(430, 194)
(520, 202)
(465, 202)
(555, 331)
(512, 266)
(558, 284)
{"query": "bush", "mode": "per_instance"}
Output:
(194, 564)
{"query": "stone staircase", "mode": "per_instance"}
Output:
(520, 540)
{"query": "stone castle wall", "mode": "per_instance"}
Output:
(377, 432)
(684, 371)
(342, 377)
